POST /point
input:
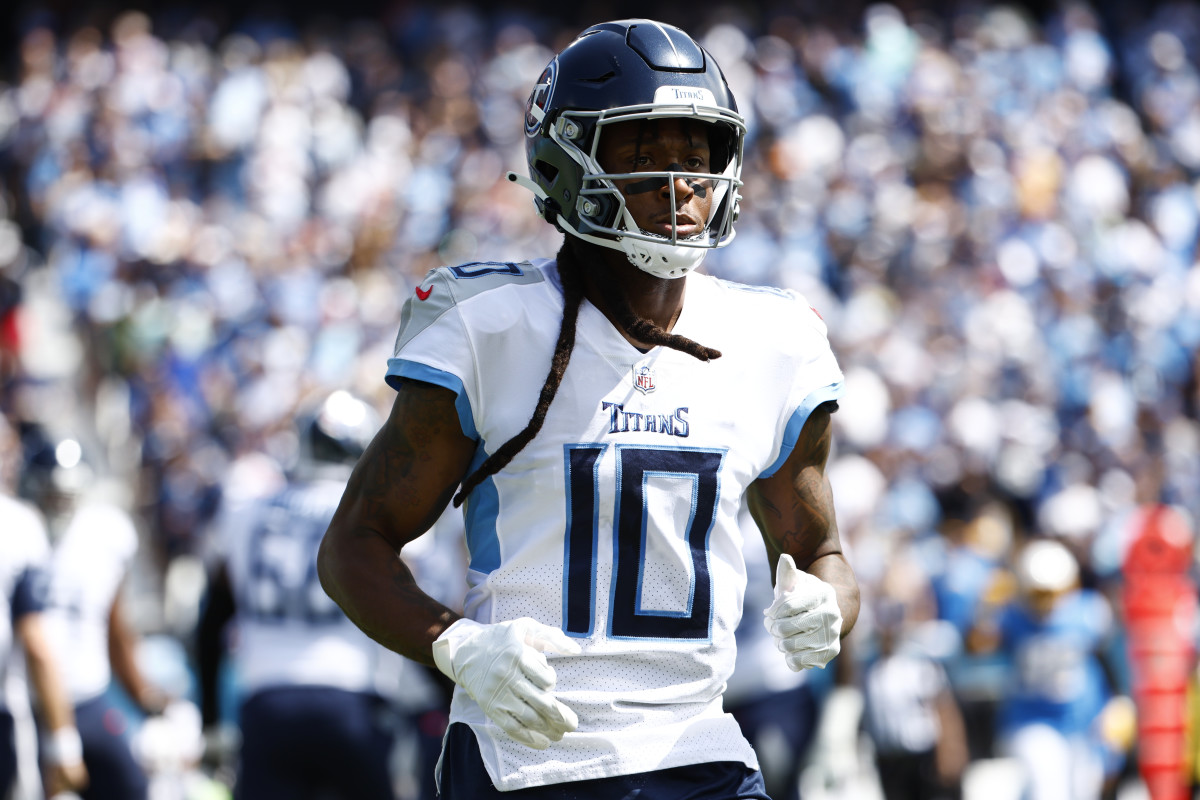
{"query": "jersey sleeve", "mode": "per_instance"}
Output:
(114, 528)
(234, 524)
(432, 345)
(816, 377)
(31, 590)
(453, 312)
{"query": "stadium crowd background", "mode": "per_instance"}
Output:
(207, 222)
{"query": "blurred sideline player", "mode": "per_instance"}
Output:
(316, 713)
(94, 542)
(911, 713)
(24, 552)
(1052, 717)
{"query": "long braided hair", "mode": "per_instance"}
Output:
(573, 260)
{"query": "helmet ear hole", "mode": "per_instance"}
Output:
(546, 170)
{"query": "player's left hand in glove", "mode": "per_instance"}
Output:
(804, 618)
(502, 666)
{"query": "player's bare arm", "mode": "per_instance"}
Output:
(66, 770)
(123, 643)
(398, 489)
(794, 511)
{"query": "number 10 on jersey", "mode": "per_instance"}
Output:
(629, 617)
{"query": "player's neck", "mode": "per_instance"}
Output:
(655, 300)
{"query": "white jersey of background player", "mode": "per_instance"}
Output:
(90, 561)
(317, 695)
(94, 541)
(289, 632)
(24, 551)
(27, 657)
(657, 603)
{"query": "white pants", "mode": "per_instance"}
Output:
(1056, 766)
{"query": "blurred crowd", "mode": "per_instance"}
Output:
(203, 228)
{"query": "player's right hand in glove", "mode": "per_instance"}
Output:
(502, 667)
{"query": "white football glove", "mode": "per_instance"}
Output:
(804, 618)
(502, 667)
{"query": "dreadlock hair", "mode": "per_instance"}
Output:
(571, 267)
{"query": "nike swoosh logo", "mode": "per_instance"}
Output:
(423, 294)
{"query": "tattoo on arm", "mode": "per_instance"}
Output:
(795, 509)
(398, 489)
(402, 459)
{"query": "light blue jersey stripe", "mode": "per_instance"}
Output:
(483, 505)
(791, 433)
(414, 370)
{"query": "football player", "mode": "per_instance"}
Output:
(94, 541)
(24, 553)
(315, 695)
(1053, 633)
(602, 416)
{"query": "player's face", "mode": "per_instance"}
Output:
(662, 145)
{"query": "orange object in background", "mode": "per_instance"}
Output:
(1160, 610)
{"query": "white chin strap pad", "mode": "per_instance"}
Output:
(660, 259)
(663, 260)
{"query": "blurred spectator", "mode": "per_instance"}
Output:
(1052, 713)
(969, 574)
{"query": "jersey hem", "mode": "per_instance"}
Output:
(696, 750)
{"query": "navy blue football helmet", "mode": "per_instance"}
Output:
(56, 473)
(337, 431)
(614, 72)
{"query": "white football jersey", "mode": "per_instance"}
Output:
(618, 522)
(24, 551)
(88, 565)
(288, 631)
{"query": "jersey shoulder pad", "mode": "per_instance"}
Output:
(725, 283)
(772, 303)
(445, 287)
(24, 539)
(105, 527)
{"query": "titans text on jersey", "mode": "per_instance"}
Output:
(622, 421)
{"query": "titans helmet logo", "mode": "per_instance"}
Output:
(535, 109)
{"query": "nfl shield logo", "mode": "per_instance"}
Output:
(643, 378)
